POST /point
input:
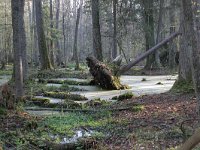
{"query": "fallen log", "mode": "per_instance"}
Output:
(193, 141)
(79, 110)
(125, 68)
(103, 75)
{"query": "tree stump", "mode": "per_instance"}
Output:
(103, 75)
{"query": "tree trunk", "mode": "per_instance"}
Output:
(76, 57)
(173, 44)
(19, 44)
(52, 35)
(57, 44)
(64, 34)
(185, 54)
(192, 38)
(44, 57)
(97, 47)
(114, 50)
(35, 43)
(149, 31)
(159, 37)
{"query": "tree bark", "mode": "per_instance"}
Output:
(185, 54)
(159, 37)
(44, 57)
(173, 44)
(76, 57)
(114, 50)
(19, 44)
(52, 35)
(63, 30)
(35, 43)
(97, 45)
(192, 40)
(57, 44)
(149, 31)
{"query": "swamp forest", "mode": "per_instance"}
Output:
(99, 74)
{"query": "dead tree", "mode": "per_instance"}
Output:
(109, 79)
(125, 68)
(103, 75)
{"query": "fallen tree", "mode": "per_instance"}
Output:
(103, 75)
(125, 68)
(109, 79)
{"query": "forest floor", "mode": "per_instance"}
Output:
(156, 122)
(156, 126)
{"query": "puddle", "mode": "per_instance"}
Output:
(71, 79)
(4, 79)
(74, 139)
(54, 85)
(137, 86)
(52, 100)
(57, 100)
(87, 87)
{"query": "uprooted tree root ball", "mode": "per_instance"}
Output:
(103, 75)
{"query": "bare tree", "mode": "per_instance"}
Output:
(114, 50)
(44, 57)
(149, 30)
(76, 57)
(19, 44)
(52, 34)
(97, 45)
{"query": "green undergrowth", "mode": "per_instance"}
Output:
(82, 66)
(124, 96)
(138, 108)
(48, 74)
(62, 88)
(5, 72)
(65, 95)
(97, 103)
(3, 111)
(35, 88)
(182, 87)
(70, 122)
(45, 102)
(67, 82)
(54, 128)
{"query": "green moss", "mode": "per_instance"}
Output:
(138, 108)
(117, 84)
(182, 87)
(58, 74)
(40, 101)
(159, 83)
(124, 96)
(97, 103)
(70, 82)
(3, 111)
(65, 95)
(68, 104)
(144, 79)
